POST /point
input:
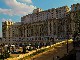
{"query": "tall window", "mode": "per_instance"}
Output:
(50, 27)
(75, 8)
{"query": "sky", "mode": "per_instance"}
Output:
(13, 10)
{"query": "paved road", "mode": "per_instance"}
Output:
(78, 53)
(58, 49)
(78, 56)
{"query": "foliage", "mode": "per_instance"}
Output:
(4, 55)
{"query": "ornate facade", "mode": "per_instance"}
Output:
(41, 27)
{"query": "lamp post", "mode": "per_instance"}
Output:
(67, 45)
(67, 41)
(67, 34)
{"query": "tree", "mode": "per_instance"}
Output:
(24, 49)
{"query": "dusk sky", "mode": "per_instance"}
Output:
(13, 10)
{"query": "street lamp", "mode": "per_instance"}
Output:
(67, 45)
(67, 41)
(67, 34)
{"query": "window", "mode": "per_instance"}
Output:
(51, 13)
(8, 22)
(75, 8)
(50, 26)
(19, 38)
(35, 38)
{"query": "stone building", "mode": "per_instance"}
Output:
(40, 27)
(10, 32)
(75, 17)
(46, 26)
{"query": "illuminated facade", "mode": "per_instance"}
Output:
(10, 32)
(41, 27)
(46, 24)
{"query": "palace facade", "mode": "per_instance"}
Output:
(42, 27)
